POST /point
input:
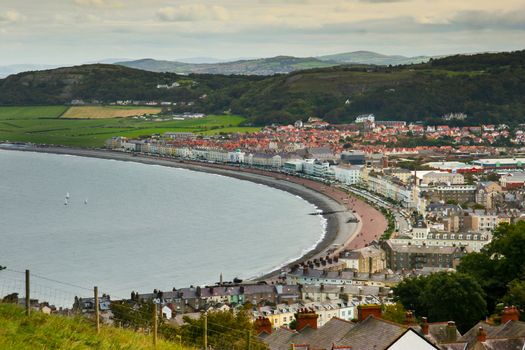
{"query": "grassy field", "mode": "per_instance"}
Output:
(38, 112)
(45, 125)
(39, 331)
(108, 112)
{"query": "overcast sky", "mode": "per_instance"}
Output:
(76, 31)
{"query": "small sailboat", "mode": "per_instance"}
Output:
(67, 195)
(85, 201)
(65, 202)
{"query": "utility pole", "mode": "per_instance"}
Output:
(205, 332)
(155, 318)
(97, 312)
(28, 296)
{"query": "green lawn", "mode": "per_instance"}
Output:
(39, 331)
(43, 125)
(38, 112)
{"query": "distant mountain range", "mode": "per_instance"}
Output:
(272, 65)
(251, 66)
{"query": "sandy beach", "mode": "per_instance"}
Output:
(337, 205)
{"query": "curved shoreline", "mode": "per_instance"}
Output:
(338, 234)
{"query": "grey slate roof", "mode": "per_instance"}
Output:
(322, 338)
(373, 334)
(503, 336)
(437, 332)
(502, 344)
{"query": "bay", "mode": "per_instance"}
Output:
(143, 226)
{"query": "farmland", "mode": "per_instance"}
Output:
(108, 112)
(46, 126)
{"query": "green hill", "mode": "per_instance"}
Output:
(368, 57)
(39, 331)
(261, 66)
(489, 88)
(106, 83)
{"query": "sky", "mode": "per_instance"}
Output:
(79, 31)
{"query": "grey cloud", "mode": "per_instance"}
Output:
(381, 1)
(490, 20)
(99, 3)
(190, 13)
(280, 2)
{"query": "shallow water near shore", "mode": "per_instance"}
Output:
(143, 226)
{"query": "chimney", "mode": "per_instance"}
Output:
(482, 335)
(451, 331)
(305, 318)
(263, 324)
(409, 318)
(510, 314)
(424, 326)
(363, 311)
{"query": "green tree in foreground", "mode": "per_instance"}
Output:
(500, 267)
(139, 316)
(444, 297)
(394, 312)
(516, 296)
(226, 330)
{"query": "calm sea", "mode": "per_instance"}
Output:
(130, 226)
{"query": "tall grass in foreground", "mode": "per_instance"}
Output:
(40, 331)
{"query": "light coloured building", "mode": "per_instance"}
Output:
(369, 259)
(500, 163)
(435, 177)
(236, 157)
(293, 166)
(308, 166)
(390, 187)
(487, 192)
(458, 193)
(349, 175)
(346, 292)
(321, 169)
(473, 242)
(403, 175)
(281, 315)
(365, 118)
(512, 181)
(483, 221)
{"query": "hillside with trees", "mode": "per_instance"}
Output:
(489, 88)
